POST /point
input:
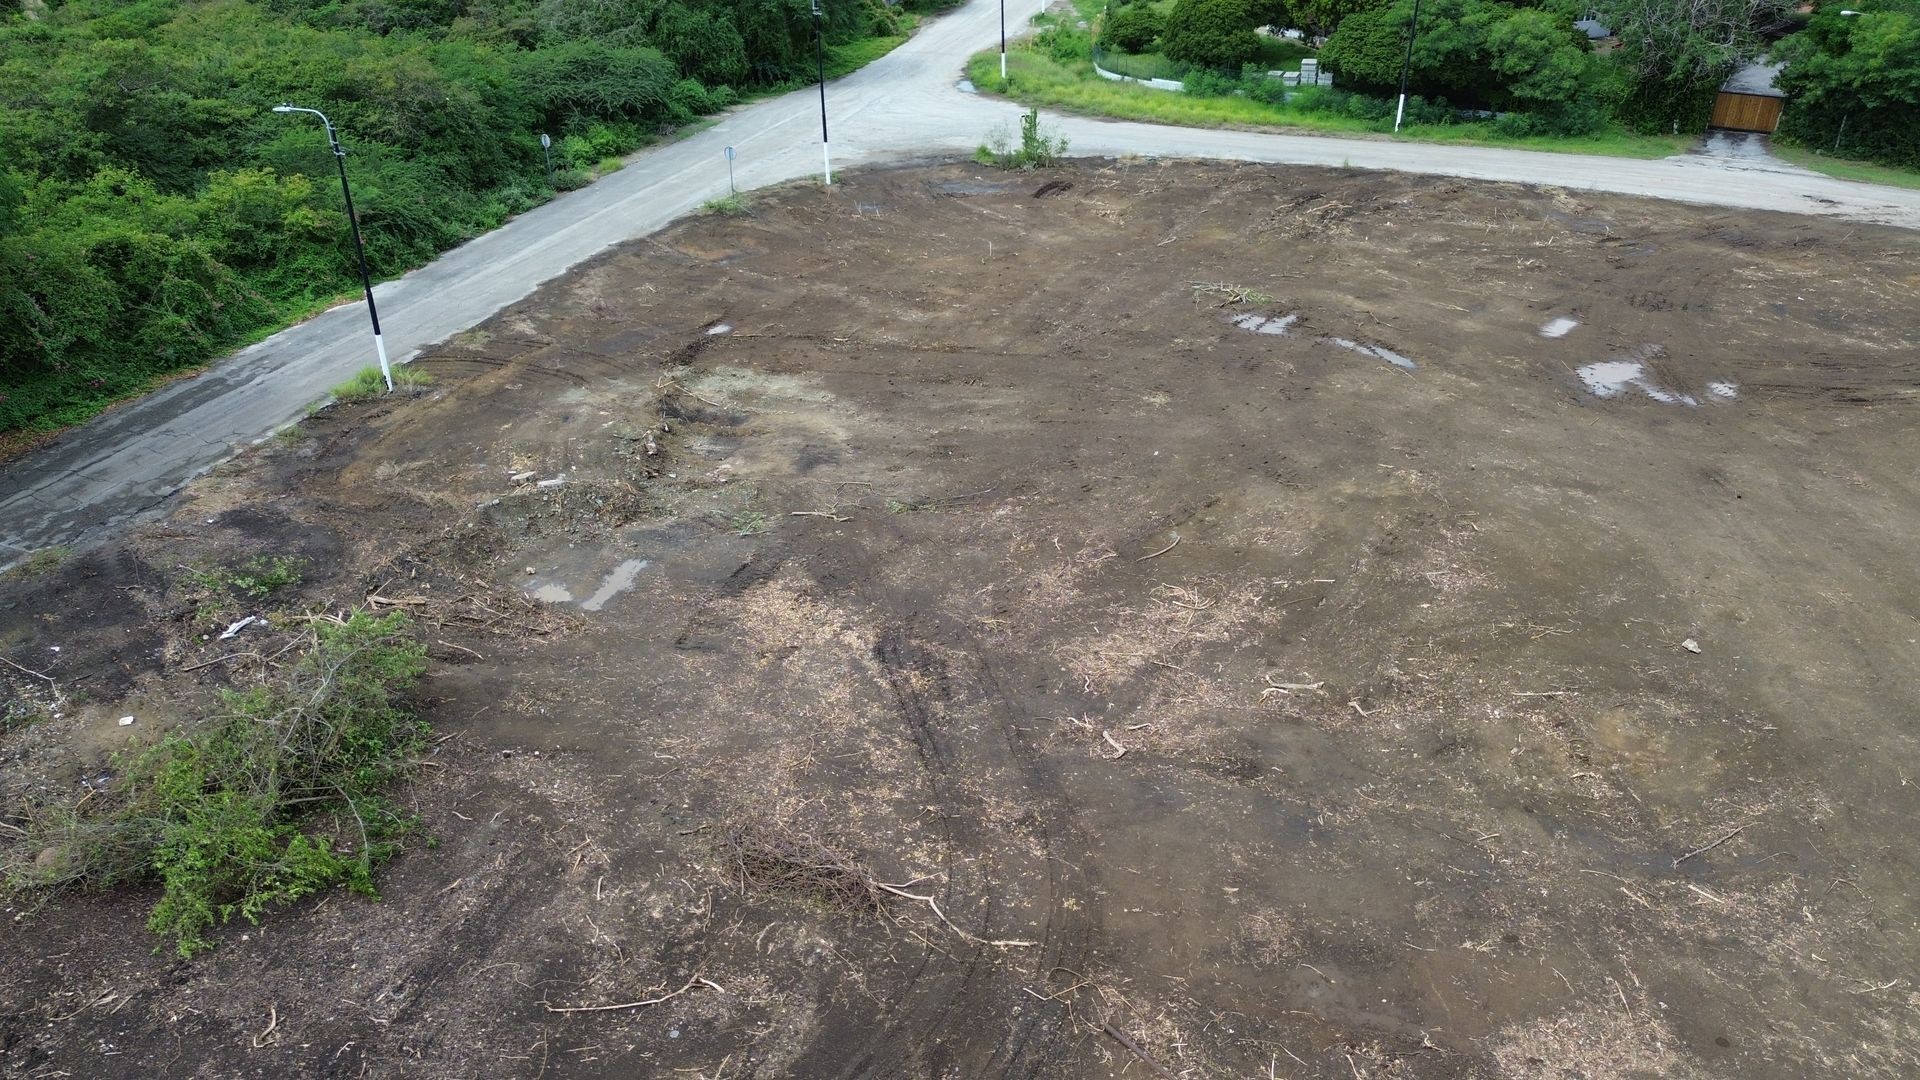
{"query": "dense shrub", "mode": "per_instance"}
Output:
(1853, 86)
(1132, 28)
(1210, 33)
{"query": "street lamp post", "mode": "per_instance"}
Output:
(820, 58)
(1003, 40)
(1413, 28)
(353, 224)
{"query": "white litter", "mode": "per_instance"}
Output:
(235, 628)
(126, 721)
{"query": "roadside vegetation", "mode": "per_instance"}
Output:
(154, 213)
(1481, 71)
(368, 382)
(280, 792)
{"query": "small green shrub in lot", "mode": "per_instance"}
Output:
(732, 205)
(278, 795)
(369, 383)
(1037, 149)
(43, 562)
(255, 579)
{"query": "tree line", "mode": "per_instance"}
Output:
(154, 212)
(1853, 82)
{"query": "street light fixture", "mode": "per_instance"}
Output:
(820, 58)
(1413, 28)
(353, 223)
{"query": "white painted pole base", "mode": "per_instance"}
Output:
(1400, 113)
(386, 370)
(1003, 65)
(826, 162)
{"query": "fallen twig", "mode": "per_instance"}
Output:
(27, 670)
(1119, 751)
(1288, 688)
(216, 660)
(273, 1021)
(935, 905)
(1138, 1051)
(1162, 551)
(691, 983)
(819, 513)
(1710, 847)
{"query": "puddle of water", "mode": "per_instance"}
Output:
(619, 580)
(719, 328)
(966, 86)
(1612, 378)
(1558, 327)
(1378, 352)
(1265, 324)
(551, 594)
(1725, 390)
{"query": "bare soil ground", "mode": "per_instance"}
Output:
(962, 647)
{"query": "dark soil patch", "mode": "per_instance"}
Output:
(1085, 563)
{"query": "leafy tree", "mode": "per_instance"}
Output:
(1211, 33)
(1853, 83)
(1679, 51)
(1133, 28)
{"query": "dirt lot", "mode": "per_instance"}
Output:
(1215, 694)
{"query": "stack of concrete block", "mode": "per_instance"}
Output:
(1308, 75)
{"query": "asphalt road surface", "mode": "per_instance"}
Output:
(908, 105)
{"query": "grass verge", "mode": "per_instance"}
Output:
(368, 382)
(1034, 79)
(1846, 168)
(275, 796)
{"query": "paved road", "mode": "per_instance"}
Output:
(907, 105)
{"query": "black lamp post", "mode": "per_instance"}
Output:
(353, 223)
(820, 58)
(1003, 40)
(1413, 27)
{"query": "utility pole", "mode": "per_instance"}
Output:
(353, 223)
(820, 59)
(1003, 40)
(1413, 28)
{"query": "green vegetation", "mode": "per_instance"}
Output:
(1853, 86)
(1498, 72)
(1037, 149)
(277, 795)
(43, 562)
(1039, 80)
(733, 205)
(154, 213)
(1866, 172)
(750, 523)
(369, 383)
(255, 579)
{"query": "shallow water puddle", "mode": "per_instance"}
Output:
(617, 581)
(1614, 378)
(719, 328)
(1557, 328)
(1265, 324)
(1379, 352)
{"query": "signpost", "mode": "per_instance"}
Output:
(731, 190)
(546, 149)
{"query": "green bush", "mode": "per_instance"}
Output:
(275, 796)
(1132, 28)
(1210, 33)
